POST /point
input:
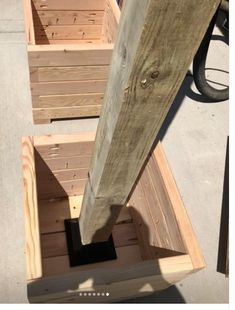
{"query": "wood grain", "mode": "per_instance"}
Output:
(53, 189)
(69, 55)
(59, 282)
(154, 218)
(52, 74)
(111, 21)
(63, 175)
(48, 42)
(68, 49)
(72, 112)
(176, 204)
(68, 32)
(53, 140)
(71, 100)
(68, 5)
(62, 163)
(156, 52)
(53, 212)
(150, 277)
(28, 22)
(60, 265)
(64, 148)
(68, 17)
(33, 246)
(68, 87)
(54, 244)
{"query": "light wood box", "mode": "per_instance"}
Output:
(70, 44)
(154, 240)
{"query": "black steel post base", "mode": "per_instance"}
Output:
(80, 254)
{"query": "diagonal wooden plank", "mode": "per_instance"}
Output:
(155, 45)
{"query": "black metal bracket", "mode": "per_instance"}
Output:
(80, 254)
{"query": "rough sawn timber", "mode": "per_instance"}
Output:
(155, 45)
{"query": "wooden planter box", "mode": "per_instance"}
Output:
(70, 44)
(154, 240)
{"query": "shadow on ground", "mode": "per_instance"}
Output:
(170, 295)
(223, 252)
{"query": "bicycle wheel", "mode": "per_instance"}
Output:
(199, 63)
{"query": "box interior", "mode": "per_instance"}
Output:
(71, 22)
(146, 229)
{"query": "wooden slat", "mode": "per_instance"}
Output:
(160, 197)
(28, 21)
(68, 17)
(60, 264)
(118, 292)
(77, 43)
(124, 216)
(150, 278)
(39, 121)
(49, 140)
(56, 150)
(68, 87)
(70, 32)
(56, 101)
(26, 11)
(166, 267)
(62, 163)
(68, 5)
(63, 175)
(52, 213)
(154, 217)
(69, 55)
(54, 244)
(51, 74)
(111, 21)
(54, 189)
(124, 235)
(54, 113)
(183, 221)
(145, 229)
(156, 51)
(33, 247)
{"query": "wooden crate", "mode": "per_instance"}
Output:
(154, 240)
(70, 45)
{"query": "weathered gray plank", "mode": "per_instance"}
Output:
(155, 45)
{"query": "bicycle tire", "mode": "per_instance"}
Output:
(199, 73)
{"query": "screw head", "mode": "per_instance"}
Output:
(143, 82)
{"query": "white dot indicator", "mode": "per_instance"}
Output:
(107, 294)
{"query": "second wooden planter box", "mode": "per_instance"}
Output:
(153, 237)
(70, 46)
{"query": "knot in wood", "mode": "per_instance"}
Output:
(150, 80)
(123, 54)
(154, 74)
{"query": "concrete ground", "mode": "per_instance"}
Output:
(194, 138)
